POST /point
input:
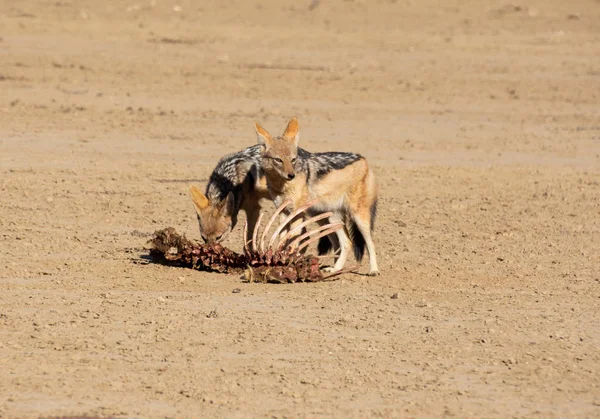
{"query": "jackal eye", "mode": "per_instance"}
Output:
(277, 159)
(294, 160)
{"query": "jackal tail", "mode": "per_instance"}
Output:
(325, 246)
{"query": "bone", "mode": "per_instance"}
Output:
(255, 232)
(333, 229)
(246, 241)
(314, 235)
(284, 240)
(289, 218)
(349, 269)
(270, 223)
(331, 255)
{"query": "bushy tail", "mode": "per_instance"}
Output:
(324, 245)
(373, 210)
(358, 240)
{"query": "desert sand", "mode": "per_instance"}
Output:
(481, 121)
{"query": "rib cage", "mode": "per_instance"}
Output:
(280, 259)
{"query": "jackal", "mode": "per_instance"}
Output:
(235, 183)
(340, 182)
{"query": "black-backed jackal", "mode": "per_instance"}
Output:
(235, 183)
(340, 182)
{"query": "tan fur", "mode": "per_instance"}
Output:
(349, 192)
(200, 201)
(280, 153)
(292, 130)
(262, 132)
(216, 219)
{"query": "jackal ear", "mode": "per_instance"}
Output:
(229, 205)
(264, 138)
(200, 201)
(292, 131)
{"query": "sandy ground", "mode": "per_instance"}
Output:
(481, 120)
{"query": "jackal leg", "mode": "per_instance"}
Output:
(333, 242)
(344, 243)
(345, 247)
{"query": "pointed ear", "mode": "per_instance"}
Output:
(229, 205)
(200, 201)
(264, 138)
(292, 132)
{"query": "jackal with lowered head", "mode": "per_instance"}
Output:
(340, 182)
(235, 183)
